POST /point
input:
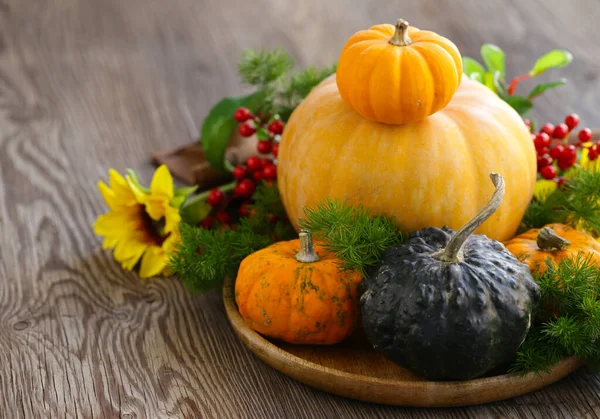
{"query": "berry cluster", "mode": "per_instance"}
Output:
(554, 153)
(257, 169)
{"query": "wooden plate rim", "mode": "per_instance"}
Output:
(281, 360)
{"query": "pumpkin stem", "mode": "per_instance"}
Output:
(307, 252)
(400, 37)
(453, 251)
(548, 240)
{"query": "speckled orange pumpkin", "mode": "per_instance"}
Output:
(554, 242)
(294, 291)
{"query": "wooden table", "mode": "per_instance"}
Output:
(90, 84)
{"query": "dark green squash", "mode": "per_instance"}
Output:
(450, 305)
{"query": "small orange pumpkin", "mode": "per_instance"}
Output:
(555, 242)
(398, 75)
(288, 292)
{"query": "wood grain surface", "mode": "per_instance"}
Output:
(90, 84)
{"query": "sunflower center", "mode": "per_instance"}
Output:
(154, 228)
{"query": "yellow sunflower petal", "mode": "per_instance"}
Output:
(121, 188)
(117, 223)
(110, 242)
(154, 262)
(129, 250)
(162, 183)
(170, 243)
(156, 208)
(130, 263)
(109, 195)
(139, 194)
(172, 219)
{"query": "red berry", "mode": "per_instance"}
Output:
(548, 128)
(246, 130)
(270, 171)
(560, 181)
(264, 147)
(275, 149)
(208, 222)
(544, 161)
(548, 172)
(240, 172)
(572, 120)
(542, 140)
(244, 210)
(253, 163)
(276, 127)
(585, 135)
(215, 197)
(564, 164)
(265, 162)
(560, 131)
(556, 151)
(569, 153)
(245, 188)
(272, 218)
(257, 176)
(593, 152)
(527, 122)
(223, 217)
(242, 114)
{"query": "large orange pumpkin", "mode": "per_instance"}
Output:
(398, 75)
(429, 173)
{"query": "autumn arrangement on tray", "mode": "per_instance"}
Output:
(401, 193)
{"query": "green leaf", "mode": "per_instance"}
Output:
(136, 181)
(554, 59)
(219, 125)
(177, 201)
(185, 191)
(195, 210)
(493, 57)
(494, 82)
(477, 77)
(262, 134)
(519, 103)
(471, 67)
(181, 194)
(542, 87)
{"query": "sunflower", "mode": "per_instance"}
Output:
(142, 223)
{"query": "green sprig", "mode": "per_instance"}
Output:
(203, 258)
(576, 203)
(568, 321)
(261, 68)
(351, 232)
(280, 90)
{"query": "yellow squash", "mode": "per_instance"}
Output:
(430, 173)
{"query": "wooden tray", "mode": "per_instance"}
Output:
(353, 369)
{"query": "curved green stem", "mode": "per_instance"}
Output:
(453, 250)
